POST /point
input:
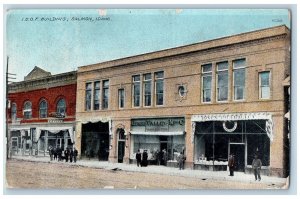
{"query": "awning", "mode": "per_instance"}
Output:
(156, 133)
(54, 130)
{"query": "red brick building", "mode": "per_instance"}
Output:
(42, 112)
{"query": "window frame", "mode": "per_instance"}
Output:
(44, 108)
(13, 111)
(104, 99)
(146, 82)
(119, 98)
(136, 83)
(234, 69)
(206, 74)
(59, 107)
(25, 110)
(217, 82)
(94, 95)
(85, 96)
(260, 86)
(156, 81)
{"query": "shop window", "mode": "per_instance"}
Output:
(239, 79)
(88, 96)
(121, 98)
(264, 85)
(159, 87)
(222, 81)
(136, 90)
(105, 94)
(206, 82)
(14, 111)
(147, 89)
(43, 109)
(27, 110)
(96, 95)
(61, 107)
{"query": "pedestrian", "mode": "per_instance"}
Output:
(75, 155)
(164, 157)
(51, 152)
(138, 157)
(66, 153)
(231, 164)
(71, 155)
(59, 153)
(55, 153)
(180, 160)
(145, 159)
(256, 165)
(158, 157)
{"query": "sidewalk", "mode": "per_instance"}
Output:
(200, 174)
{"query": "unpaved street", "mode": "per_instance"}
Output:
(25, 174)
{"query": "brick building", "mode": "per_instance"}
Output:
(206, 100)
(41, 112)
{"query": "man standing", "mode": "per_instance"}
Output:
(231, 163)
(256, 165)
(75, 155)
(180, 160)
(138, 158)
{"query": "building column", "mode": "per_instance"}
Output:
(189, 143)
(77, 138)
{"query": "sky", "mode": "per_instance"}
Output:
(58, 40)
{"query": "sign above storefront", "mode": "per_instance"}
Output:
(158, 124)
(56, 115)
(232, 117)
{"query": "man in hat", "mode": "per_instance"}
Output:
(231, 164)
(256, 165)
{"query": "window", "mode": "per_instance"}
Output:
(136, 90)
(61, 107)
(96, 95)
(105, 94)
(159, 87)
(147, 89)
(14, 111)
(239, 79)
(206, 82)
(222, 84)
(88, 96)
(264, 85)
(121, 98)
(181, 91)
(27, 110)
(43, 109)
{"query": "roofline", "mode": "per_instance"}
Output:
(128, 60)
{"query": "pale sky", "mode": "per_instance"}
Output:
(63, 44)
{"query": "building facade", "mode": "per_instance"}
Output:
(206, 100)
(41, 113)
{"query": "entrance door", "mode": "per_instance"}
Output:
(121, 146)
(238, 150)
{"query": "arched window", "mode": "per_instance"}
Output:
(27, 111)
(61, 107)
(43, 109)
(14, 111)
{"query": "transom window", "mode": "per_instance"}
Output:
(239, 79)
(222, 81)
(43, 109)
(27, 111)
(206, 82)
(61, 107)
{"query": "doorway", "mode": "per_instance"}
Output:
(121, 145)
(238, 150)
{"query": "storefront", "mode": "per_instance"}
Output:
(163, 138)
(242, 134)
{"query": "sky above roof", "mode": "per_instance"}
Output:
(60, 40)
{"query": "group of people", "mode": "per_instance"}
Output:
(256, 166)
(58, 154)
(160, 158)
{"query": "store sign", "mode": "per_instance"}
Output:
(158, 124)
(55, 121)
(231, 117)
(56, 115)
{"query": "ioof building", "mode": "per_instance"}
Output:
(41, 112)
(207, 100)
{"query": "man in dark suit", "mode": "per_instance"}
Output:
(231, 164)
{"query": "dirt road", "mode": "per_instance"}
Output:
(41, 175)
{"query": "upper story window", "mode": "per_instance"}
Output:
(136, 90)
(206, 82)
(61, 107)
(147, 89)
(264, 85)
(88, 96)
(159, 87)
(239, 79)
(222, 81)
(121, 95)
(27, 111)
(97, 95)
(105, 94)
(43, 109)
(14, 111)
